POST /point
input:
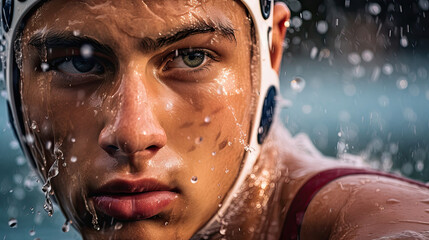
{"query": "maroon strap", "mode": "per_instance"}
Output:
(295, 215)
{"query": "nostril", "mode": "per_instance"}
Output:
(152, 148)
(113, 148)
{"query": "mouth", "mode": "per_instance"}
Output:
(133, 200)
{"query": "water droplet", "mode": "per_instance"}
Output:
(168, 106)
(387, 69)
(374, 9)
(306, 15)
(166, 223)
(306, 109)
(29, 138)
(404, 41)
(354, 58)
(73, 140)
(194, 179)
(230, 144)
(207, 119)
(66, 226)
(297, 84)
(118, 226)
(212, 168)
(227, 170)
(222, 231)
(44, 66)
(48, 145)
(76, 32)
(424, 5)
(32, 232)
(198, 140)
(213, 153)
(367, 55)
(420, 165)
(14, 145)
(33, 125)
(73, 159)
(322, 27)
(402, 83)
(86, 51)
(53, 171)
(248, 148)
(13, 223)
(20, 160)
(392, 201)
(296, 22)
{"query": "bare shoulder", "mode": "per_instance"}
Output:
(367, 207)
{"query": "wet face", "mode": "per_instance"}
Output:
(144, 105)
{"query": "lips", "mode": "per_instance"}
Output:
(133, 199)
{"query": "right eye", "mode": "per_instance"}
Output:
(78, 65)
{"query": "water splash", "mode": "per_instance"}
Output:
(47, 188)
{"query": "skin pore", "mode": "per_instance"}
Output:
(148, 90)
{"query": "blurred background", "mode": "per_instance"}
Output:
(355, 78)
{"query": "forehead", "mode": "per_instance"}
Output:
(135, 18)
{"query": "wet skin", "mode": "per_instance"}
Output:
(163, 96)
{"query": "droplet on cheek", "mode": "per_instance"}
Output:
(198, 140)
(207, 119)
(194, 179)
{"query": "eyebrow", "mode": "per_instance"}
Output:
(55, 39)
(224, 29)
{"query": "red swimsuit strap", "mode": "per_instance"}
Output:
(295, 215)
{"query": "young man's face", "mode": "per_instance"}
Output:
(149, 102)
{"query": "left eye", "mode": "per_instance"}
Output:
(78, 65)
(187, 59)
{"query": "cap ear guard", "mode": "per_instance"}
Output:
(265, 8)
(267, 114)
(7, 14)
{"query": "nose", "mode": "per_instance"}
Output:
(131, 126)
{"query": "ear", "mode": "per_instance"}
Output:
(280, 23)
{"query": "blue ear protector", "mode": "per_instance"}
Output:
(267, 114)
(265, 8)
(7, 14)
